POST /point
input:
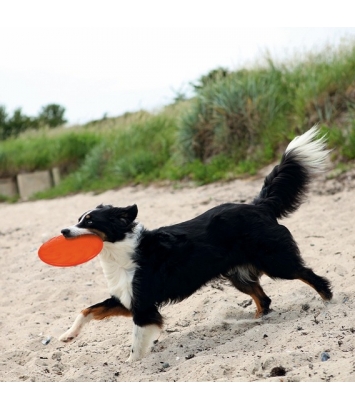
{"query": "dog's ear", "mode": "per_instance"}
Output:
(102, 206)
(130, 212)
(125, 215)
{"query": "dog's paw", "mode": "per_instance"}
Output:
(262, 313)
(133, 357)
(68, 336)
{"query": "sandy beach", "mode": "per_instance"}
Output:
(210, 337)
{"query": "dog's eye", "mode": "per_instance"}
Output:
(89, 222)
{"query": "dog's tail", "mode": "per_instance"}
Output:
(287, 184)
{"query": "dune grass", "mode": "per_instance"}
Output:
(234, 125)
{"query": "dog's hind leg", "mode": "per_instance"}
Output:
(280, 258)
(246, 279)
(290, 266)
(146, 329)
(102, 310)
(318, 283)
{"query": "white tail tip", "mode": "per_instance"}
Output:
(311, 152)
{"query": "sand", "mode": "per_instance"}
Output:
(210, 337)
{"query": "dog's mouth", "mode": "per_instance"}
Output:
(75, 232)
(98, 233)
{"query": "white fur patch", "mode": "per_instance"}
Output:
(245, 273)
(309, 151)
(75, 231)
(118, 266)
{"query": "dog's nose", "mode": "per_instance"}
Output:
(65, 232)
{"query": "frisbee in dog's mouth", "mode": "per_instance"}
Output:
(63, 252)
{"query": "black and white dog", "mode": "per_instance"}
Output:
(147, 269)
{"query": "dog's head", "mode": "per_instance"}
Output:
(111, 224)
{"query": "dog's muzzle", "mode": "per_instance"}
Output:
(66, 233)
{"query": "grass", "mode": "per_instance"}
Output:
(234, 125)
(136, 152)
(39, 152)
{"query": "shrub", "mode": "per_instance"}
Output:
(233, 114)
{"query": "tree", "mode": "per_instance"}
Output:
(3, 123)
(52, 115)
(18, 123)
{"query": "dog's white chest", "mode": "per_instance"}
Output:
(118, 267)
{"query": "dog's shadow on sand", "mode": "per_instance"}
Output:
(182, 341)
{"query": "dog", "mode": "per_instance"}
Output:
(147, 269)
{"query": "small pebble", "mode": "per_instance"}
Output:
(324, 357)
(46, 340)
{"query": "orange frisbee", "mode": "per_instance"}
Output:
(61, 251)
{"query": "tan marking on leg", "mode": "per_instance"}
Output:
(259, 309)
(324, 297)
(101, 312)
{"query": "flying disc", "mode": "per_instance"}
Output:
(61, 251)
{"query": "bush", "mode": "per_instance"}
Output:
(234, 114)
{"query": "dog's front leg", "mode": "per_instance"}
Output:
(143, 338)
(107, 308)
(146, 329)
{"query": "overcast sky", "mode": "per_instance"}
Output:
(104, 66)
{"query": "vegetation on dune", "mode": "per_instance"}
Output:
(39, 152)
(236, 123)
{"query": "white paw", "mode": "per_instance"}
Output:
(75, 329)
(68, 336)
(131, 358)
(134, 357)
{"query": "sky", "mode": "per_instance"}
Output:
(103, 58)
